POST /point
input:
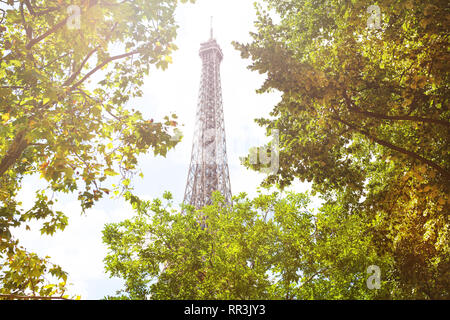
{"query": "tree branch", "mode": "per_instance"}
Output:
(313, 276)
(14, 152)
(76, 73)
(406, 118)
(46, 34)
(40, 13)
(53, 29)
(380, 116)
(85, 60)
(21, 297)
(28, 30)
(101, 65)
(391, 146)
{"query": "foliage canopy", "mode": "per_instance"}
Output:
(59, 118)
(364, 116)
(269, 247)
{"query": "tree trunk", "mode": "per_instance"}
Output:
(14, 152)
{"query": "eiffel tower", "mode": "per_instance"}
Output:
(208, 171)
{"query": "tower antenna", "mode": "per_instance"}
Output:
(212, 34)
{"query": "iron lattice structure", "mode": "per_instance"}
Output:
(208, 171)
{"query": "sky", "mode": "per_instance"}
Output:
(79, 248)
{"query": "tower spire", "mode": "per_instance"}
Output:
(212, 33)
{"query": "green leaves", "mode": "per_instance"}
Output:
(24, 274)
(42, 211)
(269, 247)
(361, 118)
(56, 124)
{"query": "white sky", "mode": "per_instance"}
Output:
(79, 249)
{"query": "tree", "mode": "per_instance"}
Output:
(26, 276)
(364, 116)
(269, 247)
(59, 118)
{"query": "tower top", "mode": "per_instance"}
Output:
(211, 46)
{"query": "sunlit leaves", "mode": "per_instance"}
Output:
(362, 118)
(64, 98)
(24, 274)
(269, 247)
